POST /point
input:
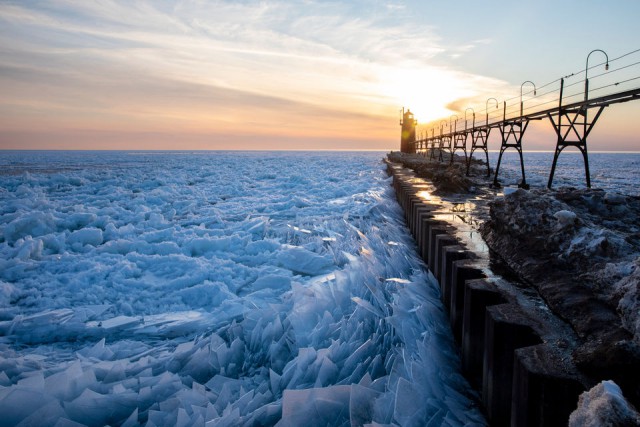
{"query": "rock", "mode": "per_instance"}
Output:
(448, 178)
(615, 199)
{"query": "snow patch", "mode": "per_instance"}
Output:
(565, 218)
(604, 405)
(86, 236)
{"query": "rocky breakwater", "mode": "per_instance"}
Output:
(581, 250)
(550, 316)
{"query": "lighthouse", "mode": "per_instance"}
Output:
(408, 134)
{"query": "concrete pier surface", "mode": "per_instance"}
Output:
(523, 274)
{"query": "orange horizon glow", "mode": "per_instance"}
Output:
(257, 75)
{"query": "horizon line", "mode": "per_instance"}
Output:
(282, 150)
(198, 150)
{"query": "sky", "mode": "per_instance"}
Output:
(196, 74)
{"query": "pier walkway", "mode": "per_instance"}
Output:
(572, 121)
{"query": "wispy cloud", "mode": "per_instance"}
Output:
(320, 69)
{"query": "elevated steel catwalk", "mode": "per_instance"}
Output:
(603, 101)
(570, 122)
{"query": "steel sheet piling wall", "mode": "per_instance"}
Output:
(500, 345)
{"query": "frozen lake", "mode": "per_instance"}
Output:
(228, 288)
(216, 288)
(619, 172)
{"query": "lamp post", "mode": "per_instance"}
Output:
(441, 121)
(534, 94)
(487, 108)
(465, 118)
(586, 70)
(431, 144)
(455, 123)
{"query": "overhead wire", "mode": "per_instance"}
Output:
(603, 63)
(511, 108)
(615, 84)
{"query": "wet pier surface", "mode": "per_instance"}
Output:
(533, 332)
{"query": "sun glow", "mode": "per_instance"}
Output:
(426, 91)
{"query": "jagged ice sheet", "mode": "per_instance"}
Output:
(217, 289)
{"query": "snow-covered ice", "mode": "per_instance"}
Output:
(612, 172)
(218, 289)
(604, 405)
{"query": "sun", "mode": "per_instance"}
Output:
(425, 91)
